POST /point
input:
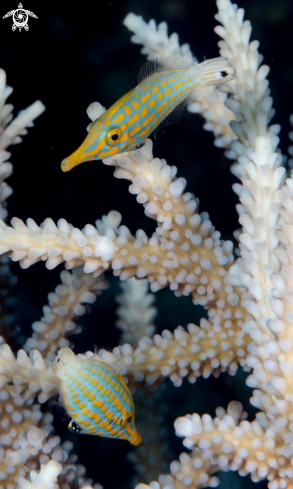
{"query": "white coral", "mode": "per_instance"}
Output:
(10, 132)
(46, 478)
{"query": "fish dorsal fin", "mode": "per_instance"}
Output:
(164, 64)
(106, 357)
(112, 360)
(175, 115)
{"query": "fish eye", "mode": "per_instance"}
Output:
(113, 136)
(74, 427)
(126, 420)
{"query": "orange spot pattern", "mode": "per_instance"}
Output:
(133, 119)
(128, 110)
(119, 118)
(137, 119)
(149, 120)
(145, 98)
(135, 105)
(98, 400)
(135, 130)
(178, 85)
(144, 111)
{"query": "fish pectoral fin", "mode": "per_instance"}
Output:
(60, 411)
(173, 117)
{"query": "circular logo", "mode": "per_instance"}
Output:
(20, 18)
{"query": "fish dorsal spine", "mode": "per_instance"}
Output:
(164, 64)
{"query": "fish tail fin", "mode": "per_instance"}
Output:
(216, 71)
(64, 357)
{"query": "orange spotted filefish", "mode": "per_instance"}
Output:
(165, 87)
(95, 396)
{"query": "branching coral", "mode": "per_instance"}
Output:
(28, 444)
(248, 301)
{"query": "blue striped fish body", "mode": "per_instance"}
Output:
(96, 397)
(165, 87)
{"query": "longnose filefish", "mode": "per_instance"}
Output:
(95, 396)
(165, 87)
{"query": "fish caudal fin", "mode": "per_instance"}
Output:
(216, 71)
(64, 357)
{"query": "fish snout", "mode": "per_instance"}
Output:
(70, 162)
(136, 438)
(133, 435)
(65, 165)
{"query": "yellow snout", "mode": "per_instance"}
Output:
(93, 144)
(135, 438)
(71, 161)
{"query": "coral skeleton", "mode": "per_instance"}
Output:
(249, 301)
(135, 314)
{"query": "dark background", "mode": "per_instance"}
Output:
(77, 53)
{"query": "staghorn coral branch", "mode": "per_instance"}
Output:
(155, 40)
(258, 166)
(10, 131)
(31, 243)
(27, 442)
(194, 472)
(65, 305)
(205, 350)
(184, 237)
(225, 443)
(244, 446)
(46, 478)
(264, 270)
(25, 371)
(272, 360)
(185, 252)
(26, 434)
(135, 313)
(212, 106)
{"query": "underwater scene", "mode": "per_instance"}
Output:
(146, 244)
